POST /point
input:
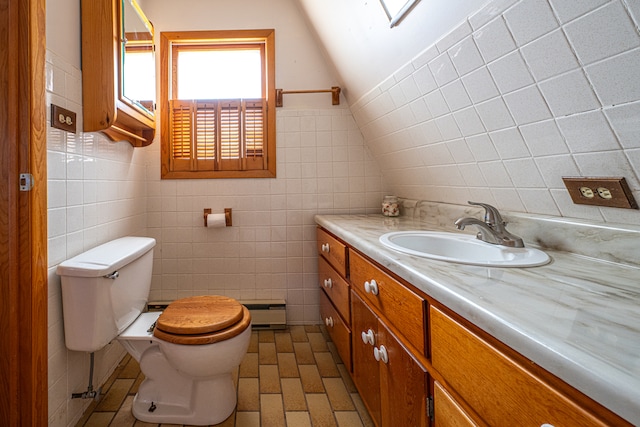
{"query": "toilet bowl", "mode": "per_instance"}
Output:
(188, 353)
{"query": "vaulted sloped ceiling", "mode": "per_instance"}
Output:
(491, 100)
(364, 50)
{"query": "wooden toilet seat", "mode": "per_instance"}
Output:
(201, 320)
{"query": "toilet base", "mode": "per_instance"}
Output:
(168, 397)
(215, 400)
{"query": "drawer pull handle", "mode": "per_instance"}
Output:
(368, 337)
(328, 283)
(329, 321)
(325, 248)
(546, 425)
(371, 287)
(381, 354)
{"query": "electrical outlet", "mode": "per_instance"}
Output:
(612, 192)
(62, 118)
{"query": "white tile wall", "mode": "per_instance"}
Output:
(270, 252)
(538, 89)
(96, 192)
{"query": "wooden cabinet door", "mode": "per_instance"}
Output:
(338, 331)
(365, 367)
(336, 288)
(402, 308)
(497, 387)
(447, 411)
(403, 384)
(333, 250)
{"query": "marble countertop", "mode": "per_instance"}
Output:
(577, 317)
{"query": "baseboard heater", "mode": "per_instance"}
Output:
(265, 314)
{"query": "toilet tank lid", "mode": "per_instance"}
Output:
(106, 258)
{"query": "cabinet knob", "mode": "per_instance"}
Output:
(546, 425)
(368, 337)
(325, 248)
(329, 321)
(328, 283)
(371, 287)
(380, 354)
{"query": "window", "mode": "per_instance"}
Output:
(218, 104)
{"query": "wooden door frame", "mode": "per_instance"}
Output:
(23, 215)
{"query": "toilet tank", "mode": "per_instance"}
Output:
(104, 290)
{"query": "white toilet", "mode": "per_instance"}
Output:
(187, 353)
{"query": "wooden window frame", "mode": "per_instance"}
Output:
(207, 170)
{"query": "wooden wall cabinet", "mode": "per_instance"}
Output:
(105, 106)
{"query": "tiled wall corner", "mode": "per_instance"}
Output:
(96, 192)
(515, 97)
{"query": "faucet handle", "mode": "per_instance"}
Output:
(491, 215)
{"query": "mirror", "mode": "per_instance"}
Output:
(137, 80)
(397, 9)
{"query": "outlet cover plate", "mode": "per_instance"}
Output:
(621, 196)
(64, 119)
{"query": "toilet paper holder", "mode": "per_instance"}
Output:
(227, 216)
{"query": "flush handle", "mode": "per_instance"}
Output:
(112, 276)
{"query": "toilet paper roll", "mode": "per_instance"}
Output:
(216, 220)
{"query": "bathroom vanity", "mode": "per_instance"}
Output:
(436, 343)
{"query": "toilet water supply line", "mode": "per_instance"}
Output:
(90, 393)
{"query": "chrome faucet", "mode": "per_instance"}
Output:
(492, 230)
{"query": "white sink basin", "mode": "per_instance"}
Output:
(462, 248)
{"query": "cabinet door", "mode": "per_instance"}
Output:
(497, 387)
(402, 308)
(365, 367)
(338, 331)
(333, 250)
(403, 383)
(335, 286)
(447, 411)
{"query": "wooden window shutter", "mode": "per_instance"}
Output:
(209, 135)
(206, 125)
(230, 135)
(181, 147)
(254, 134)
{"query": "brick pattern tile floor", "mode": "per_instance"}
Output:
(289, 378)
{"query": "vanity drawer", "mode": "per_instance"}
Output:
(335, 286)
(340, 332)
(499, 389)
(399, 306)
(448, 412)
(333, 250)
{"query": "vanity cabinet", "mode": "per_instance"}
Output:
(388, 323)
(107, 36)
(402, 309)
(334, 294)
(410, 354)
(499, 387)
(447, 411)
(391, 381)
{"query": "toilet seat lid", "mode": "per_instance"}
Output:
(200, 315)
